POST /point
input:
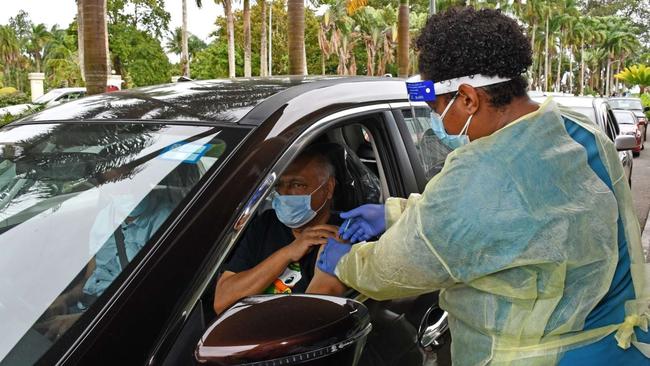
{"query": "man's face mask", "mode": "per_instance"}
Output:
(438, 126)
(295, 210)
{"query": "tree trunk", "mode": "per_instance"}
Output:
(80, 38)
(403, 39)
(582, 66)
(247, 39)
(546, 56)
(95, 45)
(609, 65)
(263, 53)
(230, 19)
(185, 58)
(570, 70)
(296, 36)
(532, 49)
(558, 80)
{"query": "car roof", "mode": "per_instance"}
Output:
(229, 100)
(625, 98)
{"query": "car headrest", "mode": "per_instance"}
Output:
(356, 184)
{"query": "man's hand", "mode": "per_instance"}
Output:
(307, 239)
(55, 327)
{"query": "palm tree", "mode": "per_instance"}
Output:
(95, 37)
(38, 38)
(80, 37)
(636, 75)
(185, 56)
(247, 39)
(263, 42)
(403, 38)
(192, 44)
(296, 38)
(9, 49)
(371, 27)
(230, 31)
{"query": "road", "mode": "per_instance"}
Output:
(641, 195)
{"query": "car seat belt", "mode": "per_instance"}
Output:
(121, 247)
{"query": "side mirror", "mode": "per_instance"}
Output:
(625, 142)
(646, 109)
(287, 330)
(432, 327)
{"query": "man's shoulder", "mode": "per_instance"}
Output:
(266, 218)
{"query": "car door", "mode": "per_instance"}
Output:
(397, 175)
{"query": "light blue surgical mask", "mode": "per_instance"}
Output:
(438, 126)
(295, 210)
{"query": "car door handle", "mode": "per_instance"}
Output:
(432, 327)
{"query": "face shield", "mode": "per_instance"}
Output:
(423, 91)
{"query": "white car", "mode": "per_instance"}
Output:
(15, 109)
(60, 95)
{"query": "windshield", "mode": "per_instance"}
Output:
(633, 104)
(51, 95)
(625, 118)
(78, 202)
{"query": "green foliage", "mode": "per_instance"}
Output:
(212, 62)
(12, 98)
(174, 43)
(137, 56)
(635, 75)
(7, 90)
(8, 118)
(147, 15)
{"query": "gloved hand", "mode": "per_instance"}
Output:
(367, 221)
(331, 255)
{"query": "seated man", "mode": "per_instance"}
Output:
(113, 248)
(278, 251)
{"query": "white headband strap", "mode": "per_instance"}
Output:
(477, 81)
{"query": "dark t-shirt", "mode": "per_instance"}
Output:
(263, 237)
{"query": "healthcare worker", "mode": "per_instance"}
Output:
(529, 229)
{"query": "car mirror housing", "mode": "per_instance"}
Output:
(286, 330)
(625, 142)
(646, 109)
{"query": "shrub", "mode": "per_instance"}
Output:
(13, 99)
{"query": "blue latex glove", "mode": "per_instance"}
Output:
(367, 221)
(331, 255)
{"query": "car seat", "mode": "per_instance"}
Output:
(356, 184)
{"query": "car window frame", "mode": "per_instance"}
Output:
(187, 304)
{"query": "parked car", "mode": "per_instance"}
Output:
(598, 111)
(209, 153)
(634, 105)
(60, 95)
(630, 125)
(15, 110)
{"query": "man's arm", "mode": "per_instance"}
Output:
(324, 283)
(234, 286)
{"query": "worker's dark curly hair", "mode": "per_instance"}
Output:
(465, 41)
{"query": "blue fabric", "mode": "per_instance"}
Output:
(136, 235)
(611, 309)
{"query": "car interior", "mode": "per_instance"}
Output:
(361, 178)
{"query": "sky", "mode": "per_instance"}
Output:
(62, 12)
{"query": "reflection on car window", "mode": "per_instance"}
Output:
(431, 151)
(78, 202)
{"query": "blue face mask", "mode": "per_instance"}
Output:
(452, 141)
(295, 210)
